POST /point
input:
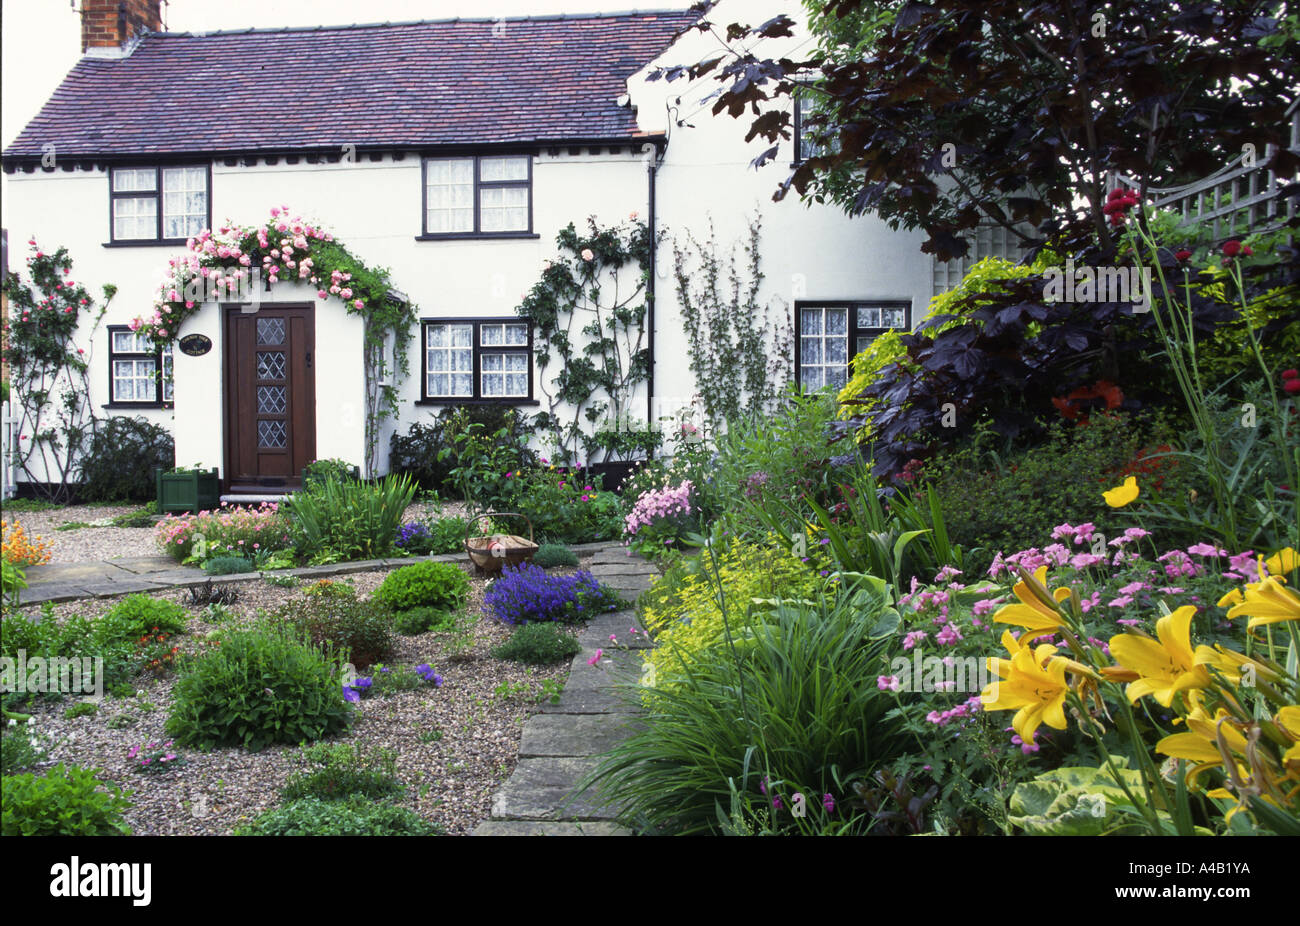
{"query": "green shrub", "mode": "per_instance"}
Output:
(800, 708)
(1010, 500)
(549, 555)
(312, 816)
(121, 459)
(360, 631)
(227, 566)
(261, 686)
(81, 709)
(424, 619)
(338, 771)
(65, 801)
(343, 519)
(538, 644)
(112, 638)
(136, 615)
(439, 585)
(22, 747)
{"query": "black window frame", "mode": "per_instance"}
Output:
(854, 327)
(479, 185)
(478, 348)
(155, 194)
(156, 355)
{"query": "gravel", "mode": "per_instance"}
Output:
(455, 744)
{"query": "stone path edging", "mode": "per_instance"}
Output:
(562, 744)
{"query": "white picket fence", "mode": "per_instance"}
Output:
(8, 440)
(1239, 198)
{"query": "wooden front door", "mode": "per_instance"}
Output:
(270, 395)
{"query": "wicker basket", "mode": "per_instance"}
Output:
(493, 552)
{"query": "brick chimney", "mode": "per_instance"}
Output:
(112, 23)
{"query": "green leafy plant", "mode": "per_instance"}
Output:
(439, 585)
(228, 565)
(538, 644)
(424, 619)
(550, 555)
(588, 312)
(359, 630)
(136, 615)
(81, 709)
(22, 746)
(311, 816)
(349, 519)
(739, 359)
(262, 685)
(122, 457)
(335, 771)
(66, 801)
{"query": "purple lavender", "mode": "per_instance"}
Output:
(526, 593)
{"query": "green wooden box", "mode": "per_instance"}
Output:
(187, 492)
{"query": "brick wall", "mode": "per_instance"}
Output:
(110, 23)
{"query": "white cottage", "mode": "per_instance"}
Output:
(449, 152)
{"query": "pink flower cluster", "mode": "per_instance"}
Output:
(656, 504)
(228, 530)
(966, 709)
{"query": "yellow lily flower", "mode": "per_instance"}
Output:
(1031, 612)
(1232, 663)
(1201, 746)
(1121, 495)
(1288, 719)
(1283, 562)
(1233, 597)
(1033, 685)
(1166, 667)
(1267, 602)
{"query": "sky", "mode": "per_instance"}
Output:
(41, 39)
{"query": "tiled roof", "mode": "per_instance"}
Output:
(418, 84)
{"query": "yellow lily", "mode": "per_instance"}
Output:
(1283, 562)
(1121, 495)
(1288, 719)
(1231, 664)
(1267, 602)
(1166, 667)
(1031, 612)
(1201, 746)
(1033, 685)
(1233, 597)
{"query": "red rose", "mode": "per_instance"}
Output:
(1231, 248)
(1291, 387)
(1182, 255)
(1245, 249)
(1290, 374)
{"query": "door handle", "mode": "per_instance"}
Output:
(309, 360)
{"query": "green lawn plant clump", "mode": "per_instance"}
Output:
(423, 620)
(262, 685)
(550, 555)
(311, 816)
(538, 644)
(438, 585)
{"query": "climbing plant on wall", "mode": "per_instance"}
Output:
(233, 263)
(740, 359)
(48, 372)
(588, 312)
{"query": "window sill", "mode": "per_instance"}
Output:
(489, 236)
(505, 400)
(148, 243)
(161, 406)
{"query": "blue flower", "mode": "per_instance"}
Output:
(362, 684)
(351, 694)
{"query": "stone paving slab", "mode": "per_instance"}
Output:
(624, 569)
(575, 735)
(597, 631)
(550, 828)
(637, 584)
(542, 789)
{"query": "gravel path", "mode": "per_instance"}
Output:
(455, 744)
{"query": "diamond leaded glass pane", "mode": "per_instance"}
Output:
(272, 434)
(270, 365)
(272, 400)
(270, 331)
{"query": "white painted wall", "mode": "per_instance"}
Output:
(374, 208)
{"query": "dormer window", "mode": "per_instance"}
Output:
(165, 205)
